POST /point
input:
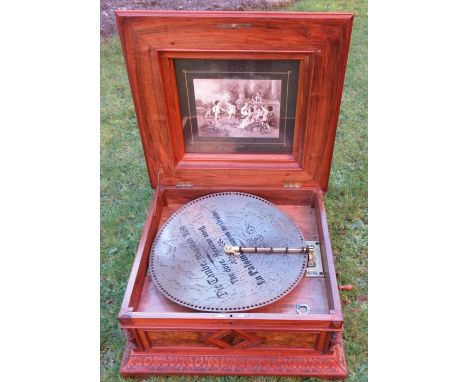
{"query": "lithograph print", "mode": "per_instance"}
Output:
(237, 106)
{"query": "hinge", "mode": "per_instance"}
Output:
(184, 185)
(314, 261)
(292, 185)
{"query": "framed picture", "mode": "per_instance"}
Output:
(237, 106)
(196, 76)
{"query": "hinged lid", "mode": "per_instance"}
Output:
(236, 98)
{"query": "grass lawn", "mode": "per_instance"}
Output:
(126, 193)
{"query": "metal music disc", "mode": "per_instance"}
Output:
(189, 266)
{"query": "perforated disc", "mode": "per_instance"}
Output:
(189, 266)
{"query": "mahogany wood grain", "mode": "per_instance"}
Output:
(151, 40)
(327, 256)
(302, 206)
(196, 161)
(275, 195)
(254, 342)
(330, 365)
(137, 275)
(309, 291)
(146, 312)
(164, 337)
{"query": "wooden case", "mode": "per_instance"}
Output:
(167, 338)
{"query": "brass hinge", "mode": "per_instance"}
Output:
(292, 185)
(184, 185)
(314, 263)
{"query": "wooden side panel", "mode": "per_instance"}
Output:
(285, 340)
(327, 256)
(275, 195)
(140, 265)
(232, 339)
(179, 338)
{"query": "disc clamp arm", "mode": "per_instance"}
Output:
(237, 251)
(314, 268)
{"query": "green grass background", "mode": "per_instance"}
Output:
(126, 194)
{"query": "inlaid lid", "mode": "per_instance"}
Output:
(236, 98)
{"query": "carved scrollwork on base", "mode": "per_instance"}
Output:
(325, 366)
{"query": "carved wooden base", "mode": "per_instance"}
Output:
(327, 366)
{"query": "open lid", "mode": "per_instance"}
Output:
(236, 98)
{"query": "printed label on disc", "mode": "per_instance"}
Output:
(189, 266)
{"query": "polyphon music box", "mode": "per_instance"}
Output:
(234, 272)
